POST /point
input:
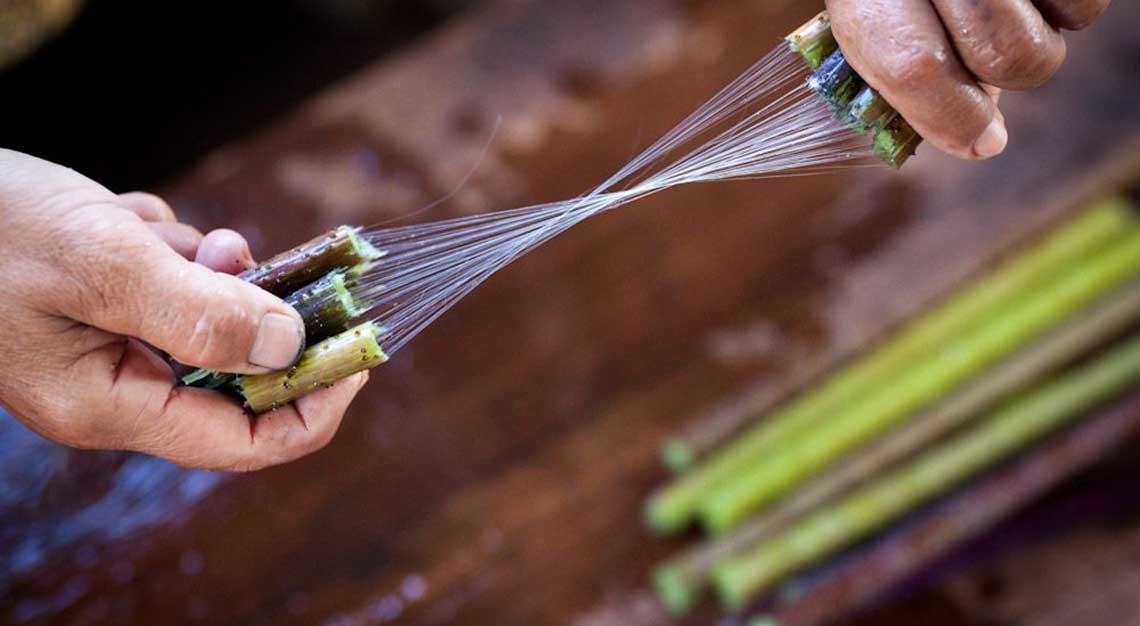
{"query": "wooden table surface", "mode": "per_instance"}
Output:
(493, 472)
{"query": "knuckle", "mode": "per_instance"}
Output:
(1020, 62)
(914, 69)
(216, 331)
(152, 207)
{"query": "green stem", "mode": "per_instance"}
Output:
(896, 141)
(323, 364)
(681, 580)
(868, 111)
(922, 383)
(326, 306)
(813, 41)
(854, 103)
(837, 83)
(207, 379)
(705, 432)
(671, 508)
(741, 578)
(873, 570)
(289, 271)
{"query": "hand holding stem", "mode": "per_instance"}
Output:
(943, 63)
(90, 276)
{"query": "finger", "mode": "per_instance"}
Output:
(1005, 43)
(1072, 14)
(148, 206)
(130, 283)
(132, 388)
(224, 250)
(994, 92)
(900, 48)
(181, 238)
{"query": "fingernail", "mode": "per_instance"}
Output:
(992, 141)
(279, 342)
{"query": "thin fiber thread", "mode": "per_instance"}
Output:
(766, 123)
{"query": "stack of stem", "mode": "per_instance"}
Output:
(315, 278)
(873, 570)
(740, 578)
(681, 580)
(919, 386)
(869, 445)
(702, 437)
(853, 101)
(672, 508)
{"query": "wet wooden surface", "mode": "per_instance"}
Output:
(493, 472)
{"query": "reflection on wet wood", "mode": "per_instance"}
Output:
(493, 472)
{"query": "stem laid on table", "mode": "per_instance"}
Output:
(337, 357)
(873, 570)
(289, 271)
(741, 578)
(672, 507)
(923, 383)
(681, 580)
(703, 433)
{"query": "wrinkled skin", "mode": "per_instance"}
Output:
(89, 276)
(943, 63)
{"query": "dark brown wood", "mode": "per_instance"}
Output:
(493, 472)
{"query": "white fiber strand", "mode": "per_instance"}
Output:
(765, 123)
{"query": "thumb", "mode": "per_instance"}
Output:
(140, 287)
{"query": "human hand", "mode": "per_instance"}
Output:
(943, 63)
(89, 276)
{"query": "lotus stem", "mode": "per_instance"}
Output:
(337, 357)
(674, 506)
(741, 578)
(874, 570)
(326, 306)
(854, 102)
(923, 383)
(681, 580)
(868, 111)
(813, 41)
(836, 82)
(896, 141)
(289, 271)
(701, 435)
